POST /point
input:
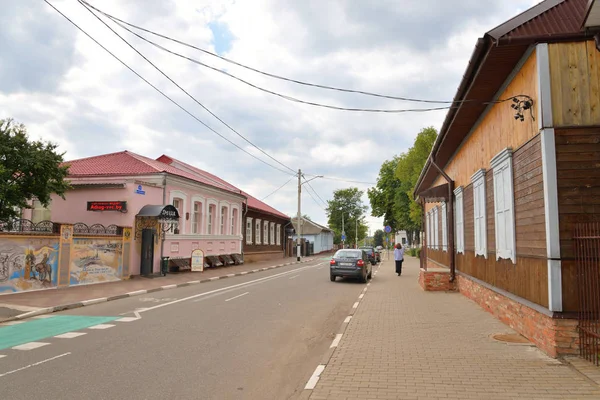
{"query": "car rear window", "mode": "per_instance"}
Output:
(348, 254)
(368, 250)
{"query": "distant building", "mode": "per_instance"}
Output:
(319, 236)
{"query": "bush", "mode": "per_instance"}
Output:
(412, 252)
(419, 252)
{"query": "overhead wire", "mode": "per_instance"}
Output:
(314, 191)
(84, 4)
(276, 190)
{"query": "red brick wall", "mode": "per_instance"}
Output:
(435, 281)
(556, 337)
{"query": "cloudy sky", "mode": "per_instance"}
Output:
(66, 89)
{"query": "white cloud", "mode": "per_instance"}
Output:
(70, 91)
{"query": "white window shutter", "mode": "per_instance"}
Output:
(444, 228)
(459, 220)
(478, 180)
(504, 205)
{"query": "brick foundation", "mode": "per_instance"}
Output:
(556, 337)
(263, 256)
(435, 280)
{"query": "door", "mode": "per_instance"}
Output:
(147, 252)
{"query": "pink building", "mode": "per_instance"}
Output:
(114, 188)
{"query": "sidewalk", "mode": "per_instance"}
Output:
(27, 304)
(404, 343)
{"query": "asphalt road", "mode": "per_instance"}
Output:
(257, 336)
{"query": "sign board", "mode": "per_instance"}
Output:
(140, 190)
(169, 212)
(343, 237)
(107, 206)
(197, 260)
(388, 229)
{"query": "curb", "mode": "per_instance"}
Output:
(84, 303)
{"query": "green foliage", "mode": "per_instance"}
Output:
(28, 170)
(307, 217)
(378, 238)
(347, 202)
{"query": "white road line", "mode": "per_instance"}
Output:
(243, 272)
(40, 316)
(336, 341)
(30, 346)
(11, 323)
(127, 319)
(228, 288)
(101, 326)
(93, 301)
(168, 287)
(70, 335)
(294, 277)
(34, 364)
(193, 282)
(2, 355)
(355, 305)
(368, 284)
(255, 270)
(348, 318)
(361, 296)
(230, 275)
(312, 382)
(365, 289)
(214, 278)
(239, 295)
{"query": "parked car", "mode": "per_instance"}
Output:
(370, 253)
(378, 255)
(352, 263)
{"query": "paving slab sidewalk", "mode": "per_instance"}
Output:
(27, 304)
(404, 343)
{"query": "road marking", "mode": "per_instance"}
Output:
(336, 341)
(11, 323)
(368, 284)
(361, 296)
(168, 287)
(193, 282)
(294, 277)
(230, 275)
(127, 319)
(30, 346)
(94, 301)
(101, 326)
(214, 278)
(228, 288)
(34, 364)
(2, 355)
(312, 382)
(255, 270)
(355, 305)
(348, 318)
(320, 267)
(42, 316)
(239, 295)
(70, 335)
(243, 272)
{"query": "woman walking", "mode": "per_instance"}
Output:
(399, 258)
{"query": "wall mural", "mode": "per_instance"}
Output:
(96, 260)
(28, 263)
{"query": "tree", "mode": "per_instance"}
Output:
(378, 238)
(347, 202)
(28, 170)
(383, 196)
(307, 217)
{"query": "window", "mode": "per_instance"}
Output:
(444, 228)
(223, 219)
(278, 232)
(459, 226)
(178, 204)
(234, 216)
(197, 218)
(504, 205)
(435, 226)
(272, 233)
(211, 218)
(257, 232)
(478, 180)
(39, 212)
(266, 232)
(248, 230)
(428, 229)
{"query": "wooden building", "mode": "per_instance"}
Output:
(515, 169)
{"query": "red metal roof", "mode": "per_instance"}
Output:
(126, 163)
(253, 202)
(492, 61)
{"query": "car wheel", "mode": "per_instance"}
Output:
(332, 278)
(365, 278)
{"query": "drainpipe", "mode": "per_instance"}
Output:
(164, 199)
(450, 218)
(424, 240)
(285, 239)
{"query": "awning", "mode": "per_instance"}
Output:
(167, 212)
(435, 194)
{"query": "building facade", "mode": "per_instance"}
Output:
(320, 237)
(509, 180)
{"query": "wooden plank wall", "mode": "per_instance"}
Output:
(497, 130)
(574, 82)
(578, 174)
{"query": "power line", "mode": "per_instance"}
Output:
(158, 90)
(315, 200)
(343, 180)
(271, 75)
(314, 191)
(276, 190)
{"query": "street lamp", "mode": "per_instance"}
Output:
(298, 252)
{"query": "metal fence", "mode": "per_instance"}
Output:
(587, 250)
(26, 226)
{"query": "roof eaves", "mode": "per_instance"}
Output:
(522, 18)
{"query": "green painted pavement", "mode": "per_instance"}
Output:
(37, 329)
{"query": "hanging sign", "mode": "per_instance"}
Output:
(197, 260)
(107, 206)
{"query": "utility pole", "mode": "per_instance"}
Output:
(356, 237)
(299, 236)
(343, 233)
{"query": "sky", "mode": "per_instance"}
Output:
(67, 90)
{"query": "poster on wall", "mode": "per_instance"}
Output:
(96, 260)
(197, 260)
(28, 264)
